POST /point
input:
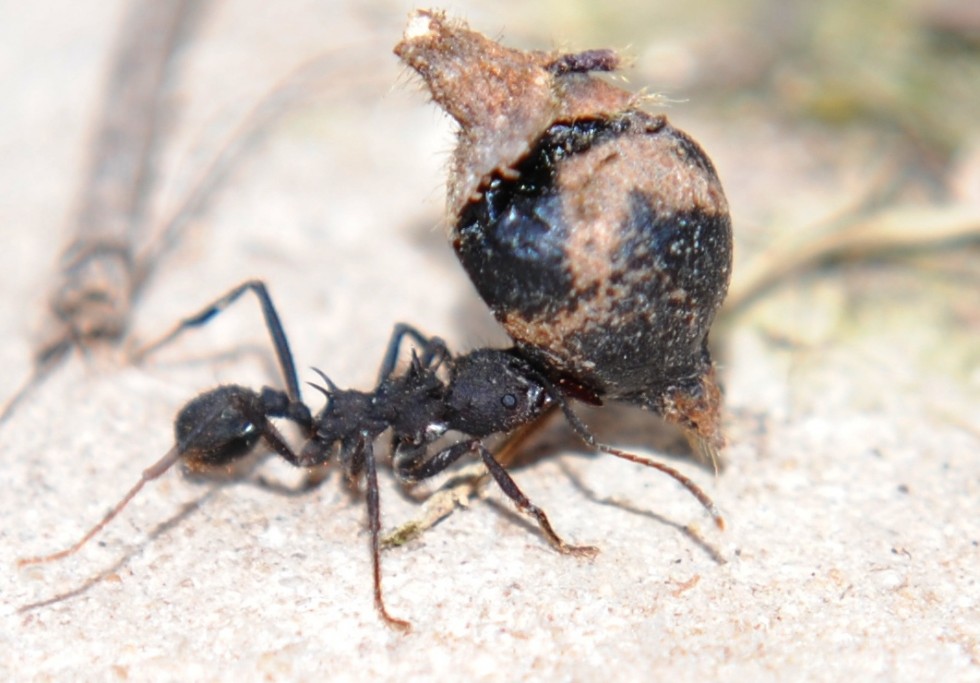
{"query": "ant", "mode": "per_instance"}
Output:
(477, 394)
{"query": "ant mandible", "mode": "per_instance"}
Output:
(477, 394)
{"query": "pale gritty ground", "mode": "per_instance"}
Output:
(853, 394)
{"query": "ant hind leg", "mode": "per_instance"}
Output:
(272, 323)
(150, 473)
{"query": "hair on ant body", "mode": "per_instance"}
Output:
(477, 394)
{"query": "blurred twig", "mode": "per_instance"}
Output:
(894, 230)
(110, 260)
(95, 285)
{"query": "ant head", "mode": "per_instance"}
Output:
(493, 391)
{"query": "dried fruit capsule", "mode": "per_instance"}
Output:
(597, 233)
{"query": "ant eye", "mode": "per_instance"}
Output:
(508, 401)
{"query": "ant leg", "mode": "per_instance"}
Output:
(415, 470)
(150, 473)
(588, 437)
(443, 459)
(455, 493)
(461, 488)
(272, 323)
(213, 430)
(374, 524)
(433, 349)
(509, 486)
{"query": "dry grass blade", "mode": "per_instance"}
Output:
(894, 230)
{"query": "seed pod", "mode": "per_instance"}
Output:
(597, 233)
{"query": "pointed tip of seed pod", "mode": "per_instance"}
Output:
(502, 98)
(419, 25)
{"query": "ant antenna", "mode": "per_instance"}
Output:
(149, 474)
(589, 438)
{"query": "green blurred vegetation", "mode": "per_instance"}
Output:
(909, 68)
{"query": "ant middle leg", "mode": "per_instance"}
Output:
(272, 323)
(443, 459)
(374, 524)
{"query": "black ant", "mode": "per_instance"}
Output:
(477, 394)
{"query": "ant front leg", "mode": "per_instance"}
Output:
(433, 350)
(443, 459)
(272, 323)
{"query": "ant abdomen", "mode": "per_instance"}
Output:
(212, 430)
(225, 424)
